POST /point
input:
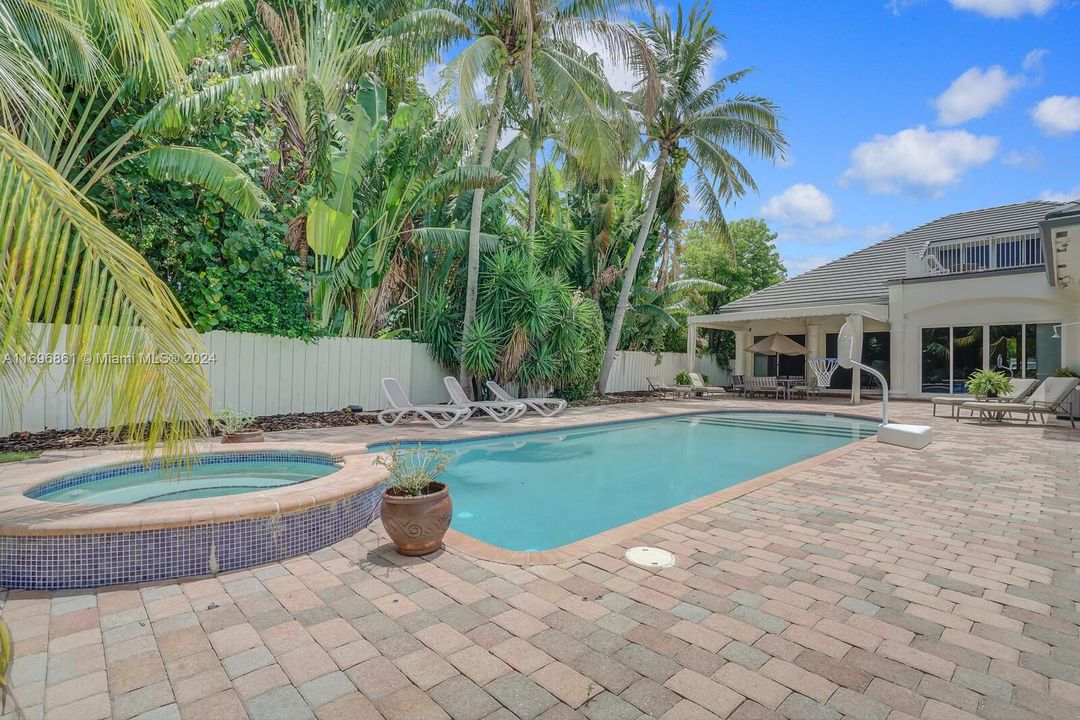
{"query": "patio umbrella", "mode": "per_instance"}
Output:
(777, 344)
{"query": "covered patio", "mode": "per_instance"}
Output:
(815, 327)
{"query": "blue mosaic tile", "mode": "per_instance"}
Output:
(54, 562)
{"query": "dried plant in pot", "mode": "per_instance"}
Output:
(237, 427)
(416, 507)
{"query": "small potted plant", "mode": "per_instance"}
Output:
(237, 427)
(416, 507)
(989, 383)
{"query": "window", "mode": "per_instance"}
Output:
(1042, 351)
(950, 355)
(967, 354)
(936, 344)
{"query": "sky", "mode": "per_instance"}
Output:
(901, 112)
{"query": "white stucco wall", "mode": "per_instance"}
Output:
(987, 299)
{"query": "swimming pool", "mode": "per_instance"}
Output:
(539, 491)
(208, 476)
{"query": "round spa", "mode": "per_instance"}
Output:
(129, 522)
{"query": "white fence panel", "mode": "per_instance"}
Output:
(267, 375)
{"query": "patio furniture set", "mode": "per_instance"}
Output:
(503, 408)
(1029, 397)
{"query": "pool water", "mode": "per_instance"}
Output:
(134, 484)
(539, 491)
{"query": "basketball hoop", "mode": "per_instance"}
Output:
(823, 369)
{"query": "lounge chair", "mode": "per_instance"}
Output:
(498, 410)
(673, 391)
(699, 388)
(545, 406)
(441, 416)
(1050, 397)
(1021, 388)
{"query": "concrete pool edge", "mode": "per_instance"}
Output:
(580, 549)
(57, 545)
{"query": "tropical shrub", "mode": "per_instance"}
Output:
(989, 383)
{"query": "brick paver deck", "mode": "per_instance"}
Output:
(886, 584)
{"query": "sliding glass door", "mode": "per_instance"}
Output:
(949, 355)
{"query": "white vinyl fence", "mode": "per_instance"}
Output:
(267, 375)
(632, 368)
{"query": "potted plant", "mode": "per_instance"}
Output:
(989, 383)
(416, 507)
(237, 427)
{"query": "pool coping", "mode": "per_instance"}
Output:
(580, 549)
(24, 516)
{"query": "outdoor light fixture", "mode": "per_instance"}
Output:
(1057, 329)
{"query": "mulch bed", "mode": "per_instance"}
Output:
(92, 437)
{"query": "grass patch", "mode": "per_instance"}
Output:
(6, 457)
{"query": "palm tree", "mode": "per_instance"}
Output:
(536, 45)
(701, 123)
(63, 66)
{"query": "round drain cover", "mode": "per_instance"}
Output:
(650, 557)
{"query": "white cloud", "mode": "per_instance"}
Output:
(1058, 114)
(801, 204)
(1067, 196)
(1033, 60)
(974, 94)
(431, 77)
(799, 265)
(1030, 160)
(620, 76)
(1005, 8)
(918, 159)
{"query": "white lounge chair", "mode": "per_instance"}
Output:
(1021, 388)
(441, 416)
(498, 410)
(1050, 397)
(699, 388)
(665, 390)
(545, 406)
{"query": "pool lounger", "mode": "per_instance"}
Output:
(545, 406)
(498, 410)
(441, 416)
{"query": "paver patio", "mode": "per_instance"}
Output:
(883, 584)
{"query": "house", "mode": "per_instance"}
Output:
(995, 288)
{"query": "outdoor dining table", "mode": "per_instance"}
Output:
(787, 384)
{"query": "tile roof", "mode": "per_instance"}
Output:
(862, 275)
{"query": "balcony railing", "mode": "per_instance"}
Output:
(981, 254)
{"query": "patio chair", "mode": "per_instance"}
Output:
(441, 416)
(545, 406)
(763, 386)
(673, 391)
(498, 410)
(738, 384)
(1021, 388)
(808, 388)
(1050, 397)
(699, 388)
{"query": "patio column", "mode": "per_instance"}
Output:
(740, 353)
(856, 324)
(812, 330)
(691, 347)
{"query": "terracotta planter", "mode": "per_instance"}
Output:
(245, 436)
(417, 523)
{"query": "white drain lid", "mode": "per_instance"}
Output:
(650, 557)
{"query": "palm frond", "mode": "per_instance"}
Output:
(60, 265)
(211, 171)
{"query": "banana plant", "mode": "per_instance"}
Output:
(386, 173)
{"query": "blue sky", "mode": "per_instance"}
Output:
(901, 112)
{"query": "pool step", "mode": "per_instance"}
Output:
(792, 429)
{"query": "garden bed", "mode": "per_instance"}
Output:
(91, 437)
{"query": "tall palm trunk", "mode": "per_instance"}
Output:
(533, 180)
(473, 278)
(631, 272)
